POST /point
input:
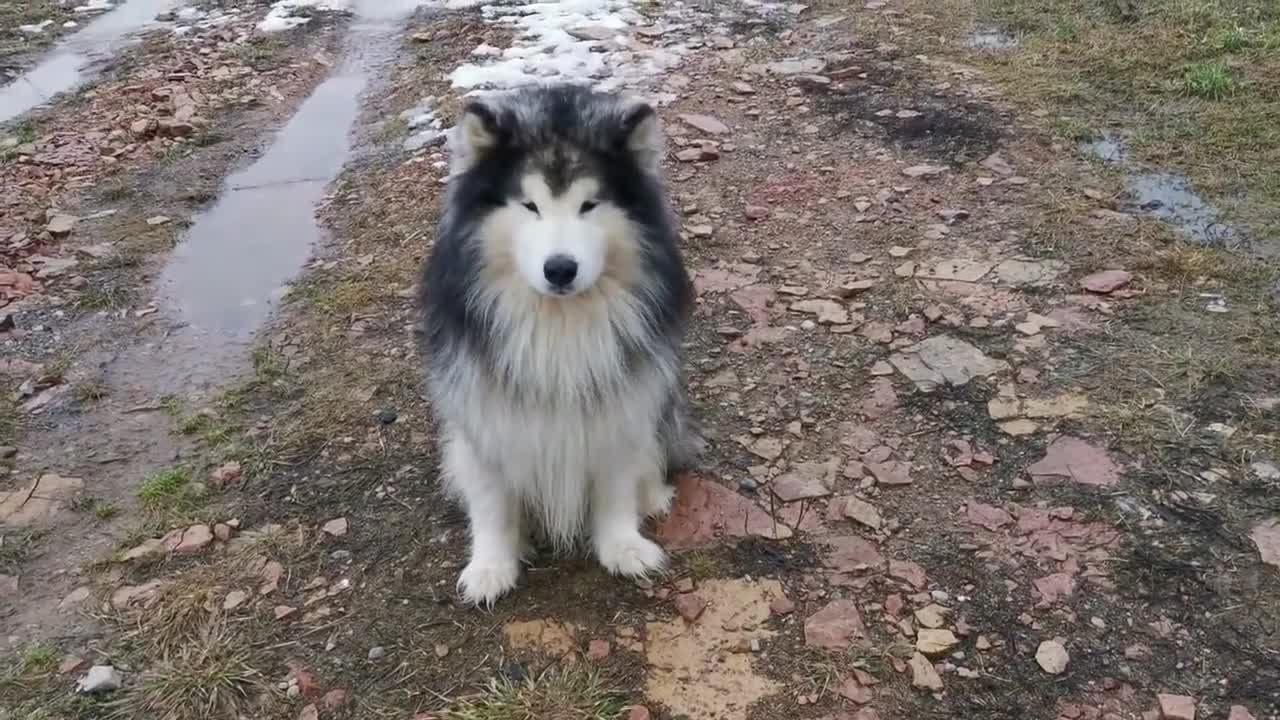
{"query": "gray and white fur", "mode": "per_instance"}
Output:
(555, 300)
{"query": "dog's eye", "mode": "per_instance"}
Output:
(588, 206)
(531, 207)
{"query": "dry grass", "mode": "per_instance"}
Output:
(1188, 81)
(208, 676)
(558, 694)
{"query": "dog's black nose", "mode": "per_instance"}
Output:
(560, 270)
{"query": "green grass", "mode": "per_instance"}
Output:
(165, 489)
(99, 508)
(1211, 80)
(557, 694)
(16, 547)
(103, 298)
(1190, 83)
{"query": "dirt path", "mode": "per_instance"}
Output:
(989, 438)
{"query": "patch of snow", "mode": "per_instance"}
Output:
(544, 49)
(95, 6)
(70, 24)
(281, 15)
(36, 29)
(427, 128)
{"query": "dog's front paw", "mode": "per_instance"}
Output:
(632, 555)
(482, 583)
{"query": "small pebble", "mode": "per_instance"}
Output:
(377, 653)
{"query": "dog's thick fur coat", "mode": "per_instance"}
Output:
(554, 304)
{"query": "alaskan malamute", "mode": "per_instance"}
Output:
(554, 302)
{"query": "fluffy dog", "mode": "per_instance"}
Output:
(554, 302)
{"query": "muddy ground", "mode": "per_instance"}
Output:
(992, 436)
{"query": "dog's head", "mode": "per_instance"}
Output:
(557, 178)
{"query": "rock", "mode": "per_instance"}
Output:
(334, 699)
(923, 675)
(898, 251)
(1264, 470)
(834, 626)
(936, 641)
(860, 511)
(1240, 712)
(1052, 657)
(234, 599)
(146, 548)
(811, 66)
(61, 225)
(8, 586)
(996, 163)
(805, 480)
(782, 606)
(755, 212)
(225, 474)
(310, 712)
(1176, 707)
(706, 511)
(100, 678)
(638, 712)
(70, 664)
(906, 571)
(690, 606)
(376, 653)
(854, 691)
(932, 616)
(73, 598)
(598, 650)
(919, 171)
(194, 539)
(172, 127)
(1266, 537)
(988, 516)
(1070, 458)
(336, 528)
(959, 270)
(284, 612)
(39, 499)
(143, 128)
(943, 359)
(829, 312)
(891, 473)
(1107, 281)
(705, 123)
(854, 555)
(158, 220)
(222, 532)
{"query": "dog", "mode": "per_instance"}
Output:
(554, 303)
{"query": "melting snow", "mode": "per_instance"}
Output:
(544, 48)
(281, 16)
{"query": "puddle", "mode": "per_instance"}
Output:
(1170, 197)
(234, 264)
(990, 37)
(71, 62)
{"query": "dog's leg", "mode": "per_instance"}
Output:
(656, 496)
(497, 527)
(616, 496)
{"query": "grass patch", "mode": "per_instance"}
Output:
(166, 489)
(209, 676)
(17, 547)
(557, 694)
(1209, 80)
(103, 298)
(89, 391)
(1163, 75)
(99, 508)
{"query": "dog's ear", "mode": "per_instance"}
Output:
(642, 136)
(477, 133)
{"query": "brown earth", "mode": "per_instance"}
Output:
(955, 469)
